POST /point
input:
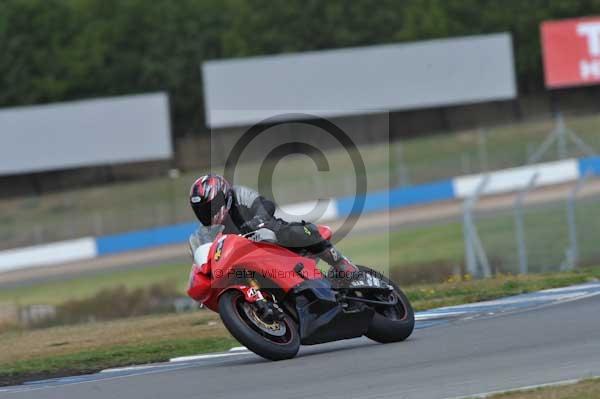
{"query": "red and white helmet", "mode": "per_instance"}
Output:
(210, 198)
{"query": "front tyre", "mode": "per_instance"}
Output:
(390, 323)
(274, 341)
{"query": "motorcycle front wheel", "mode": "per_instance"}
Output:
(278, 340)
(390, 323)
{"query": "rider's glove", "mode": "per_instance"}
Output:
(255, 223)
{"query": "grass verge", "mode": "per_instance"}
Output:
(59, 291)
(98, 359)
(87, 348)
(456, 292)
(587, 389)
(79, 349)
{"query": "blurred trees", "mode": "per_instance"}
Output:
(56, 50)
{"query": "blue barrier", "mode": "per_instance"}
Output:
(400, 197)
(143, 239)
(376, 201)
(589, 165)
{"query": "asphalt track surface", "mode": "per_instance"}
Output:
(520, 341)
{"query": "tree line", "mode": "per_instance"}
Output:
(57, 50)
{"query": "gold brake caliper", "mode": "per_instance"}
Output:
(273, 326)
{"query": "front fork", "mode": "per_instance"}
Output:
(269, 311)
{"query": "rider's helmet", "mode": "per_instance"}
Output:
(210, 198)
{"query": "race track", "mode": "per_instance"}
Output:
(502, 345)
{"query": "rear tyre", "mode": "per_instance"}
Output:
(391, 324)
(275, 341)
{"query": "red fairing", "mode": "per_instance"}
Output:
(234, 260)
(199, 284)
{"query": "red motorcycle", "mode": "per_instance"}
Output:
(272, 300)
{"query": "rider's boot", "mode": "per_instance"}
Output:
(342, 271)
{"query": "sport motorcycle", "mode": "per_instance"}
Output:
(273, 300)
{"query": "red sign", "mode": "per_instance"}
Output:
(571, 52)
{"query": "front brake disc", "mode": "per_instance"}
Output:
(276, 328)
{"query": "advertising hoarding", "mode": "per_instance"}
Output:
(571, 52)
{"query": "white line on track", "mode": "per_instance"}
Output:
(130, 368)
(433, 316)
(207, 356)
(28, 388)
(594, 284)
(238, 349)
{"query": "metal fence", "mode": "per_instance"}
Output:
(554, 232)
(123, 207)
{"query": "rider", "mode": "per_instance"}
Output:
(242, 210)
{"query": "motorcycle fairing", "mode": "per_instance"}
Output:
(321, 317)
(253, 259)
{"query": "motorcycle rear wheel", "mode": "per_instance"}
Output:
(273, 342)
(391, 324)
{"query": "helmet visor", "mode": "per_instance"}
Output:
(205, 211)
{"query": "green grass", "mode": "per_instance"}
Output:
(587, 389)
(55, 292)
(87, 347)
(108, 209)
(459, 290)
(90, 361)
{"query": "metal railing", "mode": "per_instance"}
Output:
(551, 232)
(138, 205)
